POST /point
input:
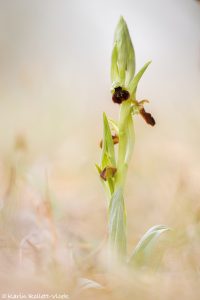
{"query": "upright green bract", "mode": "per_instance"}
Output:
(114, 162)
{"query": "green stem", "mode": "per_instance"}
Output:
(117, 208)
(124, 124)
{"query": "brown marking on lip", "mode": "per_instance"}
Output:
(147, 117)
(120, 95)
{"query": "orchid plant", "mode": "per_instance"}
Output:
(115, 160)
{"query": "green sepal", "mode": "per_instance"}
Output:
(134, 82)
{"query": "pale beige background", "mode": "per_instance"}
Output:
(54, 86)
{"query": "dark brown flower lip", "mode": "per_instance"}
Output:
(120, 95)
(147, 117)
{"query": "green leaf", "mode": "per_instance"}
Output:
(134, 82)
(123, 55)
(117, 223)
(108, 153)
(145, 247)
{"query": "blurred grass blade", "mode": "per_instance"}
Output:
(85, 283)
(108, 153)
(145, 246)
(134, 83)
(123, 55)
(117, 223)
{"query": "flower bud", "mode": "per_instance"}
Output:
(123, 56)
(108, 172)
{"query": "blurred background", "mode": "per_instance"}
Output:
(54, 86)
